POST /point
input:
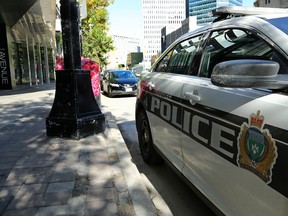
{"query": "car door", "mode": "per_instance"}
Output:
(231, 135)
(164, 89)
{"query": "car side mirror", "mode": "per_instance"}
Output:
(246, 73)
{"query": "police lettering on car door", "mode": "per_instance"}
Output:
(198, 126)
(245, 144)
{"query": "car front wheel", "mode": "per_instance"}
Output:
(148, 152)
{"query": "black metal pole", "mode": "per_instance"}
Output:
(75, 113)
(70, 21)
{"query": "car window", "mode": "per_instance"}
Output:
(122, 74)
(231, 44)
(179, 59)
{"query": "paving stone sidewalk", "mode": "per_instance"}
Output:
(40, 175)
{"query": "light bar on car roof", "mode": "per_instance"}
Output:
(243, 11)
(227, 12)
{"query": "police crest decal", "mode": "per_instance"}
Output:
(257, 151)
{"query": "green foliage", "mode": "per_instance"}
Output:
(121, 66)
(95, 41)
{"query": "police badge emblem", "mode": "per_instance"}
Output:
(257, 151)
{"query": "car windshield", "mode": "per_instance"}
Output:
(122, 74)
(281, 23)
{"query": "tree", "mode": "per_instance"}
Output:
(95, 41)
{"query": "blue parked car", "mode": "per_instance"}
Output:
(119, 82)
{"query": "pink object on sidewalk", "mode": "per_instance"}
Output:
(87, 64)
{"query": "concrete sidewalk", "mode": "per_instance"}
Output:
(40, 175)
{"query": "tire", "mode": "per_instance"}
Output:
(149, 155)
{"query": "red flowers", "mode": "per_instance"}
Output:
(59, 63)
(87, 64)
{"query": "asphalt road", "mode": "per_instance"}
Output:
(169, 193)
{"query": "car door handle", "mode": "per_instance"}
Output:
(193, 97)
(150, 85)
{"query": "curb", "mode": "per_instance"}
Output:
(139, 195)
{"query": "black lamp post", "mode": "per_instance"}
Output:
(75, 113)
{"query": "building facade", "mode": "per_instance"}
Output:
(157, 14)
(271, 3)
(202, 8)
(189, 24)
(133, 59)
(27, 42)
(123, 45)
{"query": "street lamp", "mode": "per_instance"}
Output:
(75, 113)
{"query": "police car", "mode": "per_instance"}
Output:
(215, 106)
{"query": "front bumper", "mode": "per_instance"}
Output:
(123, 90)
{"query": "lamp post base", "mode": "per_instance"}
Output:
(75, 113)
(75, 128)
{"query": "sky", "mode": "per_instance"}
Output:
(125, 17)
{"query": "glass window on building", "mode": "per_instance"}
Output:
(203, 8)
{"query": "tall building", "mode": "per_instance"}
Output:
(203, 8)
(157, 14)
(271, 3)
(123, 46)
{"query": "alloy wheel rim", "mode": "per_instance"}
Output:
(145, 135)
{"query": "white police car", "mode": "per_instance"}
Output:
(215, 105)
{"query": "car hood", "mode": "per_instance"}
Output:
(124, 80)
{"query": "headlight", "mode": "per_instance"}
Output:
(114, 85)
